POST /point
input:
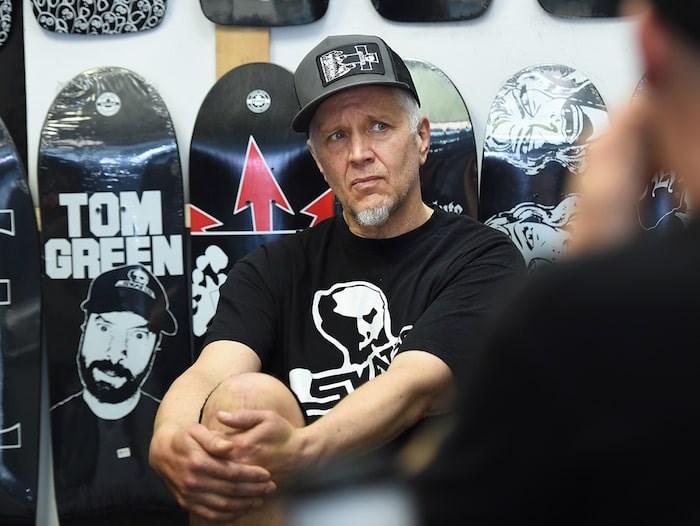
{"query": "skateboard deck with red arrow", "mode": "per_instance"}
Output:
(20, 340)
(537, 132)
(251, 180)
(112, 209)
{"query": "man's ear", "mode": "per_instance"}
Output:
(424, 138)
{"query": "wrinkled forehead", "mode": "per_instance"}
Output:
(120, 319)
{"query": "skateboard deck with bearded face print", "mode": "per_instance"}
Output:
(263, 13)
(98, 17)
(117, 318)
(20, 340)
(252, 178)
(582, 8)
(449, 176)
(537, 133)
(422, 11)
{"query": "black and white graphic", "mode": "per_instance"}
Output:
(97, 17)
(126, 315)
(540, 232)
(545, 115)
(208, 275)
(664, 203)
(355, 318)
(5, 20)
(537, 134)
(347, 61)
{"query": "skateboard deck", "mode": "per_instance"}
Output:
(664, 205)
(537, 132)
(20, 340)
(449, 178)
(117, 319)
(252, 178)
(582, 8)
(13, 104)
(427, 11)
(102, 17)
(263, 13)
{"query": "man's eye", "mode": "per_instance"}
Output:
(380, 126)
(336, 136)
(103, 328)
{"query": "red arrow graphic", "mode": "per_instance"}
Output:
(201, 221)
(259, 190)
(320, 208)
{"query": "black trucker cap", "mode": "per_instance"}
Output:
(683, 15)
(132, 288)
(346, 61)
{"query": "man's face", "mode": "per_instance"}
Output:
(363, 144)
(116, 353)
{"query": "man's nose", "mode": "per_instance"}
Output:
(117, 347)
(360, 148)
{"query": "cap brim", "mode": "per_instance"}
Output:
(301, 121)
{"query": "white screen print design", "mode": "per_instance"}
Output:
(544, 116)
(542, 233)
(208, 276)
(367, 348)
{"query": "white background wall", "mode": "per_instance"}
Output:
(178, 59)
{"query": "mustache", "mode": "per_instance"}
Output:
(112, 369)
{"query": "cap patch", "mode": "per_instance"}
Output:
(346, 61)
(138, 280)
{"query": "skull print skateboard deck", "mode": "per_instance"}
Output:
(13, 104)
(117, 319)
(101, 17)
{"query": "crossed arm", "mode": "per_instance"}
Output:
(221, 476)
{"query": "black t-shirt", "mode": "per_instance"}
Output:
(326, 310)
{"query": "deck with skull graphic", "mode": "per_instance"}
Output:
(103, 17)
(263, 13)
(582, 8)
(251, 177)
(20, 340)
(537, 132)
(117, 318)
(449, 177)
(422, 11)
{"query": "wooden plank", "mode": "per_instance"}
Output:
(240, 45)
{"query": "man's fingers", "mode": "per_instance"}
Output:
(242, 419)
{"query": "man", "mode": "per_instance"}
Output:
(340, 339)
(585, 405)
(101, 433)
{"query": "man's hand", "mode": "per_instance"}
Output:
(199, 468)
(264, 438)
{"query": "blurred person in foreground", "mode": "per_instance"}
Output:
(340, 339)
(584, 407)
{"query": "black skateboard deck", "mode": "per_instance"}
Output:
(99, 17)
(427, 11)
(449, 178)
(13, 104)
(252, 178)
(537, 131)
(582, 8)
(20, 340)
(664, 205)
(263, 13)
(117, 318)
